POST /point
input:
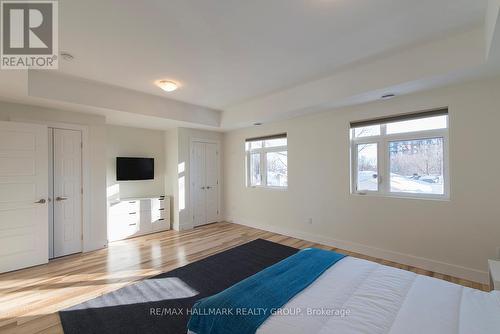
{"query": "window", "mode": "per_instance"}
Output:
(367, 168)
(267, 161)
(403, 155)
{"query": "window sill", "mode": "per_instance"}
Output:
(268, 188)
(409, 196)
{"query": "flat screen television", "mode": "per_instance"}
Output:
(133, 169)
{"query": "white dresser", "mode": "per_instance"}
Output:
(131, 217)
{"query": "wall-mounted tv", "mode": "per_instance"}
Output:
(133, 169)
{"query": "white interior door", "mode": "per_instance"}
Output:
(23, 195)
(212, 182)
(198, 181)
(205, 182)
(67, 197)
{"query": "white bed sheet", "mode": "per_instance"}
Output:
(366, 297)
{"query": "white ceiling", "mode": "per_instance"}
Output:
(224, 52)
(242, 61)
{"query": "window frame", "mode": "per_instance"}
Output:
(383, 160)
(263, 161)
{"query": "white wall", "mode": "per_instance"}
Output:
(453, 237)
(97, 235)
(135, 142)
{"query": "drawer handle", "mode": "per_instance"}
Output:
(132, 213)
(161, 199)
(132, 202)
(132, 224)
(161, 219)
(161, 209)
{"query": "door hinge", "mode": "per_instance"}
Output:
(81, 144)
(217, 182)
(217, 211)
(82, 236)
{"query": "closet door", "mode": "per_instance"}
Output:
(198, 176)
(212, 182)
(67, 192)
(23, 195)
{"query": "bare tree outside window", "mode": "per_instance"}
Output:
(277, 169)
(420, 161)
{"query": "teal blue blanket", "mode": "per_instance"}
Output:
(243, 307)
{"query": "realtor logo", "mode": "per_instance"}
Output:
(29, 31)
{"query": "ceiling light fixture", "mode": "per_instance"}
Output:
(67, 56)
(387, 96)
(166, 85)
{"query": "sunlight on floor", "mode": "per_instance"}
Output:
(149, 290)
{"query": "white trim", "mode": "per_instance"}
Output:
(51, 192)
(402, 258)
(191, 184)
(273, 188)
(86, 196)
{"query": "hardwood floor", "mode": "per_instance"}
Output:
(30, 298)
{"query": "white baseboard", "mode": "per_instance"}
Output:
(402, 258)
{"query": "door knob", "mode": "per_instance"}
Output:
(208, 187)
(42, 201)
(202, 188)
(58, 198)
